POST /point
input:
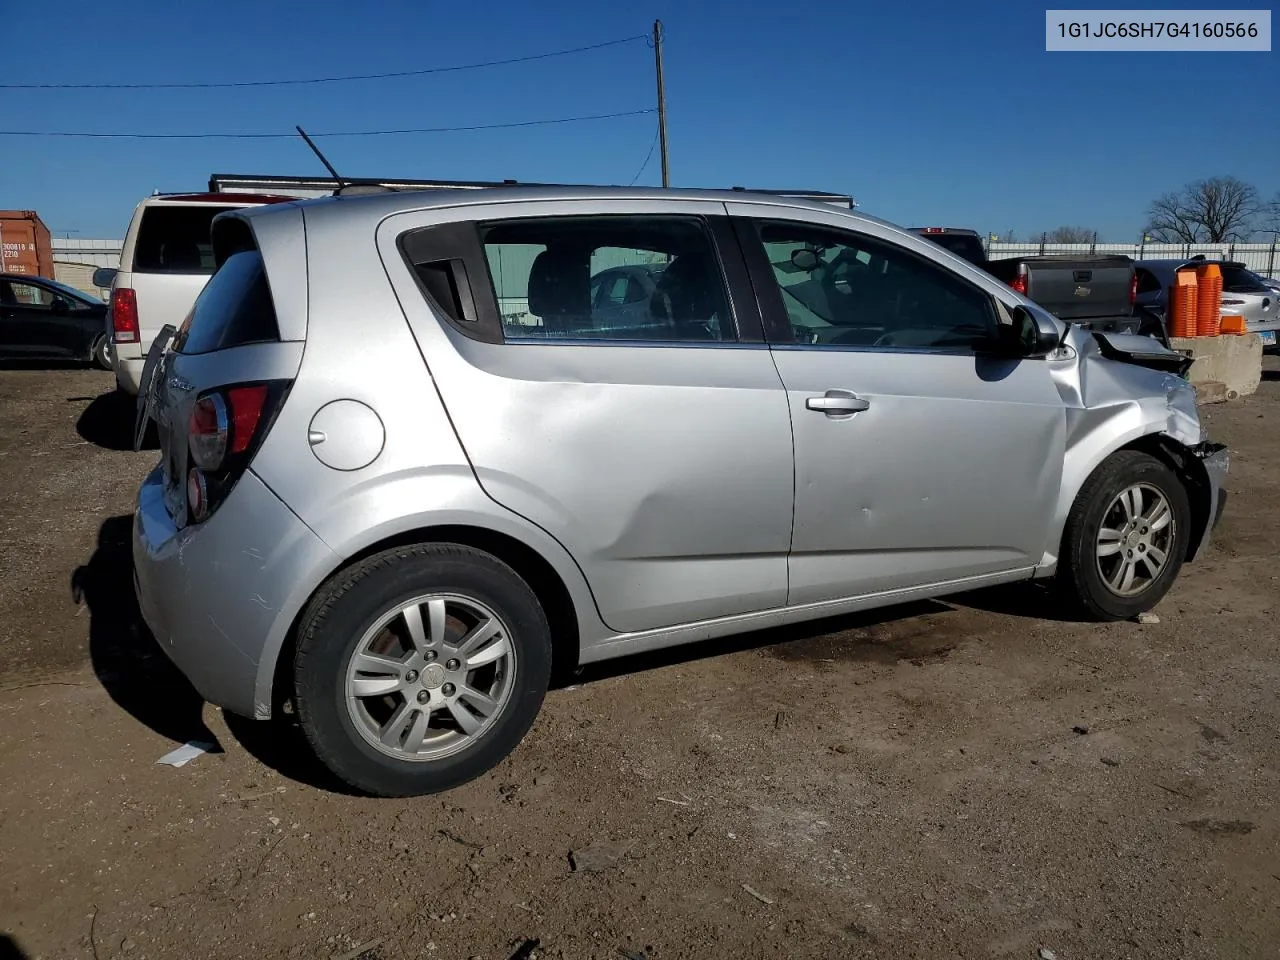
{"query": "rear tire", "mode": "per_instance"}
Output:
(1125, 538)
(101, 353)
(420, 668)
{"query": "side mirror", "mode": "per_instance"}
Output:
(103, 277)
(1024, 336)
(59, 306)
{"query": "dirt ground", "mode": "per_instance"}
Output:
(957, 779)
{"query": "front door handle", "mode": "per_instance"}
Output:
(837, 403)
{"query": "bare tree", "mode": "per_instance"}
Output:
(1070, 235)
(1272, 222)
(1216, 210)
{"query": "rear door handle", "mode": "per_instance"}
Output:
(837, 403)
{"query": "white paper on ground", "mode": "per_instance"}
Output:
(185, 753)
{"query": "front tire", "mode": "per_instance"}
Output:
(1126, 537)
(420, 668)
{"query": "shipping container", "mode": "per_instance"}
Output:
(25, 245)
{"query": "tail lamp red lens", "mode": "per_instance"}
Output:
(1133, 289)
(1019, 283)
(224, 427)
(246, 413)
(124, 315)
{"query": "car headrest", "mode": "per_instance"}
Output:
(560, 285)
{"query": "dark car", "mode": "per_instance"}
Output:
(959, 240)
(44, 319)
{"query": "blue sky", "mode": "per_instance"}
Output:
(928, 113)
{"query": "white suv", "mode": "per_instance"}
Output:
(166, 260)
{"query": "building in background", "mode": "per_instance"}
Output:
(74, 261)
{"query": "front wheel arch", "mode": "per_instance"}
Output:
(1190, 470)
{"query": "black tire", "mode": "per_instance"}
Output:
(101, 353)
(351, 602)
(1079, 575)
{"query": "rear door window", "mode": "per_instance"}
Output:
(558, 279)
(176, 239)
(235, 308)
(1240, 280)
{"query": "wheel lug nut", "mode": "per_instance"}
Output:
(451, 665)
(431, 655)
(1142, 548)
(411, 676)
(447, 689)
(1131, 553)
(423, 696)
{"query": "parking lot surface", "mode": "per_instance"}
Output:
(976, 777)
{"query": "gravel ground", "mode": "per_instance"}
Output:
(968, 778)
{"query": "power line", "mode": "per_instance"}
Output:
(342, 133)
(647, 157)
(307, 80)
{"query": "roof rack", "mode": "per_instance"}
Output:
(305, 187)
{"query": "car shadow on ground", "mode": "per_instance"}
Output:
(142, 680)
(108, 420)
(1271, 374)
(126, 659)
(9, 949)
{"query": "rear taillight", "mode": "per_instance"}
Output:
(208, 432)
(224, 431)
(246, 414)
(1019, 281)
(1133, 290)
(124, 315)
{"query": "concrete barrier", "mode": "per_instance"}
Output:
(1233, 361)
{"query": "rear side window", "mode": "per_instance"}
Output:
(175, 240)
(1147, 281)
(571, 279)
(235, 308)
(1240, 280)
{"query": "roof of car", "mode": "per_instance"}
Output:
(1175, 262)
(385, 204)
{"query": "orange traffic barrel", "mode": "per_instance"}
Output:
(1208, 300)
(1182, 304)
(1232, 325)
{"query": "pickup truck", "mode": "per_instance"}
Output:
(1097, 292)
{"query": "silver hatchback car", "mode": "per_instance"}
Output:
(406, 464)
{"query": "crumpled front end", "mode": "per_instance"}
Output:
(1123, 390)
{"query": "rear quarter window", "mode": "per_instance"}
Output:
(175, 240)
(235, 308)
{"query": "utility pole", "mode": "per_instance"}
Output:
(662, 101)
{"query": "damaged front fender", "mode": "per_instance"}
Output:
(1127, 391)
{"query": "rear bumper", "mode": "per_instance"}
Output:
(128, 372)
(220, 596)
